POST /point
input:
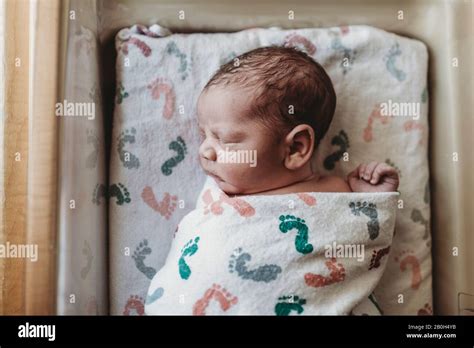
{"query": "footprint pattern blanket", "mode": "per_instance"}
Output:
(305, 253)
(155, 177)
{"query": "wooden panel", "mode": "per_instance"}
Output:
(30, 129)
(15, 144)
(2, 158)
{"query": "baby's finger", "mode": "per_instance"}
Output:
(385, 170)
(369, 169)
(377, 173)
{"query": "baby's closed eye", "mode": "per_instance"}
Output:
(232, 138)
(229, 141)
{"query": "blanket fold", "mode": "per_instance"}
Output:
(303, 253)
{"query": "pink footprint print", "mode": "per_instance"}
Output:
(135, 304)
(375, 115)
(160, 87)
(84, 43)
(214, 206)
(307, 198)
(407, 259)
(337, 274)
(296, 40)
(144, 48)
(426, 310)
(410, 126)
(221, 295)
(344, 29)
(167, 205)
(242, 207)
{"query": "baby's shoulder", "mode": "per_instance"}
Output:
(332, 184)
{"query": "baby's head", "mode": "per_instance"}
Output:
(274, 102)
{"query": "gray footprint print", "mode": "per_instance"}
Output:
(369, 210)
(139, 256)
(128, 159)
(238, 264)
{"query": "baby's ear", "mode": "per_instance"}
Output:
(300, 146)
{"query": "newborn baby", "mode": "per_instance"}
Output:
(245, 249)
(277, 102)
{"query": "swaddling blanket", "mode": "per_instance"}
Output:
(305, 253)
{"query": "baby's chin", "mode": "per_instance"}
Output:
(231, 189)
(228, 188)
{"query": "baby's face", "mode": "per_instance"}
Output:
(230, 134)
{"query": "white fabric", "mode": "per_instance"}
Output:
(307, 253)
(82, 286)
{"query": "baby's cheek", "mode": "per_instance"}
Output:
(240, 175)
(237, 171)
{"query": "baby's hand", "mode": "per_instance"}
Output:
(373, 177)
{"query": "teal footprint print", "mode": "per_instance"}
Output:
(179, 146)
(341, 140)
(391, 57)
(139, 256)
(173, 49)
(121, 93)
(128, 159)
(157, 294)
(120, 192)
(348, 55)
(287, 304)
(369, 210)
(188, 250)
(100, 191)
(265, 273)
(289, 222)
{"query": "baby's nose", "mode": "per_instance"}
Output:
(207, 152)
